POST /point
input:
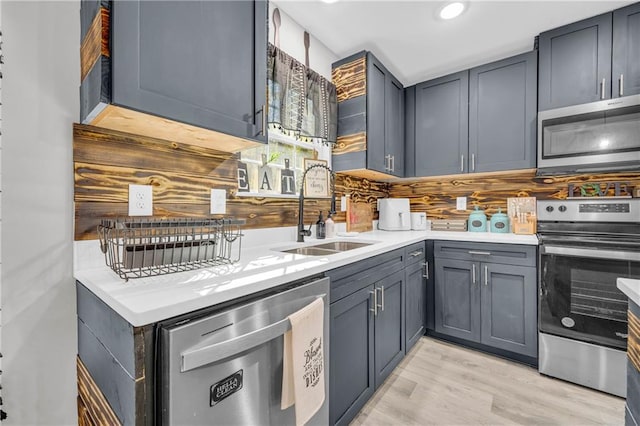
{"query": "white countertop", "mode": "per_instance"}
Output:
(631, 288)
(147, 300)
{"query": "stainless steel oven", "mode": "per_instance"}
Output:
(597, 136)
(585, 246)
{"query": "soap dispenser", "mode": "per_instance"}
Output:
(330, 227)
(477, 221)
(320, 228)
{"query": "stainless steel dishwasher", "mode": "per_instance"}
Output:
(226, 368)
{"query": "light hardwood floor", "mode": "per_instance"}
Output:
(444, 384)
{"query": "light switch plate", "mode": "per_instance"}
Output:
(140, 200)
(461, 203)
(218, 201)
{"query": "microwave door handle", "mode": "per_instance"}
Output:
(592, 254)
(192, 359)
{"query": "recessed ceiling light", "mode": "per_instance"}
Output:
(452, 10)
(329, 1)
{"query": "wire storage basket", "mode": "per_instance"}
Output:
(143, 247)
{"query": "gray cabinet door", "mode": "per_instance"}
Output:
(442, 127)
(457, 305)
(394, 139)
(416, 303)
(376, 110)
(389, 325)
(626, 50)
(509, 308)
(197, 62)
(574, 61)
(502, 114)
(352, 355)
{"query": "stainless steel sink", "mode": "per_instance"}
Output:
(341, 245)
(326, 249)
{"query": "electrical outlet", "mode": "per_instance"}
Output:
(218, 201)
(343, 203)
(461, 203)
(140, 200)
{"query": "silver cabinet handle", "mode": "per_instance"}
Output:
(473, 162)
(375, 302)
(486, 275)
(473, 273)
(462, 163)
(381, 305)
(263, 130)
(480, 253)
(426, 270)
(602, 83)
(621, 84)
(194, 358)
(415, 253)
(393, 163)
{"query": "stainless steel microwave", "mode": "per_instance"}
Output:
(598, 136)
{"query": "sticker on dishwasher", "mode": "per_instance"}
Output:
(225, 387)
(568, 322)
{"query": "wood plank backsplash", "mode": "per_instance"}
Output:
(107, 161)
(437, 196)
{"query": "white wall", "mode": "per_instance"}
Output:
(40, 102)
(292, 42)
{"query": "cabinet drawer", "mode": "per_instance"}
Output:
(415, 253)
(351, 278)
(510, 254)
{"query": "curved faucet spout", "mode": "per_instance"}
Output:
(302, 232)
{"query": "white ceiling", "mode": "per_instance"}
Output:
(416, 46)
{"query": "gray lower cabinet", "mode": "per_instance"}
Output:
(416, 303)
(487, 294)
(457, 299)
(352, 379)
(389, 325)
(369, 320)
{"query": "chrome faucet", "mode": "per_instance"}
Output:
(302, 232)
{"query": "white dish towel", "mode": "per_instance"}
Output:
(303, 362)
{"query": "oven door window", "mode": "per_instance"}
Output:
(579, 298)
(599, 132)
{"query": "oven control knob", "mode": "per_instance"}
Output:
(562, 208)
(549, 209)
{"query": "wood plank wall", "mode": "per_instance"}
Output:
(437, 196)
(107, 161)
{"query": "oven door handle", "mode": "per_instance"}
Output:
(194, 358)
(591, 253)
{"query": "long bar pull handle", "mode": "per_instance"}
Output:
(473, 273)
(621, 85)
(194, 358)
(375, 302)
(263, 130)
(426, 270)
(393, 163)
(480, 253)
(462, 162)
(381, 306)
(486, 275)
(473, 162)
(602, 83)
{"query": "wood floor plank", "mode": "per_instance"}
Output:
(439, 383)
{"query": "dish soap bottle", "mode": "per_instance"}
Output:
(330, 227)
(320, 228)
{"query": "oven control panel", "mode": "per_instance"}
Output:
(604, 208)
(589, 210)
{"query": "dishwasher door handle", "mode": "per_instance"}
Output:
(192, 359)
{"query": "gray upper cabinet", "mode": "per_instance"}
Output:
(502, 114)
(590, 60)
(441, 126)
(626, 49)
(201, 63)
(575, 63)
(370, 117)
